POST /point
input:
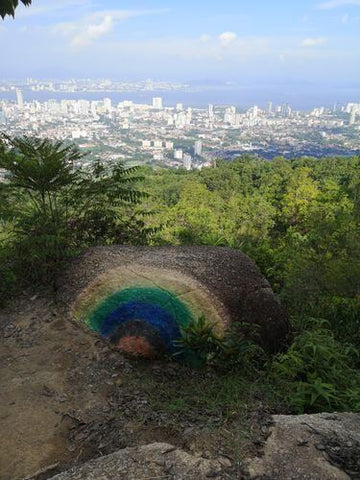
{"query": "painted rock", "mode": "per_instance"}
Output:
(139, 298)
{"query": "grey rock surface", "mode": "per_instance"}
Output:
(304, 447)
(155, 461)
(310, 447)
(231, 278)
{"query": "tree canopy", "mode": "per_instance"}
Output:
(57, 204)
(298, 219)
(8, 7)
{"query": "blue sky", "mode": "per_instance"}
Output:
(314, 42)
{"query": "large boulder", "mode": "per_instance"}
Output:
(140, 297)
(310, 447)
(155, 461)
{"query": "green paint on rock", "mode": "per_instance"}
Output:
(141, 295)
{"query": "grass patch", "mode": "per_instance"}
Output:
(208, 396)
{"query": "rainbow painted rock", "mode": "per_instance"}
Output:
(139, 298)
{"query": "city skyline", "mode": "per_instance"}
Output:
(152, 133)
(297, 47)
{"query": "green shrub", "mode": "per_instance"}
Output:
(343, 317)
(58, 207)
(8, 278)
(200, 345)
(318, 373)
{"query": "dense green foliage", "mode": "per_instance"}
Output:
(318, 373)
(200, 345)
(51, 207)
(298, 219)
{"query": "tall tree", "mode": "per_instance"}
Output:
(56, 203)
(8, 7)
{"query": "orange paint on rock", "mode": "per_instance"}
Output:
(134, 345)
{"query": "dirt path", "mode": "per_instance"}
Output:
(66, 396)
(37, 351)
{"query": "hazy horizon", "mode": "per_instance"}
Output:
(315, 44)
(200, 96)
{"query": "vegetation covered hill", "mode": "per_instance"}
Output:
(298, 219)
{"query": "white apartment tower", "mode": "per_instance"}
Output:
(158, 103)
(178, 154)
(211, 111)
(198, 148)
(352, 119)
(187, 162)
(19, 98)
(107, 105)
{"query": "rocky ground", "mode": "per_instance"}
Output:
(67, 398)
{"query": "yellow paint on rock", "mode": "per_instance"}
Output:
(198, 299)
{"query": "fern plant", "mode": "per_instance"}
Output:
(200, 345)
(59, 206)
(317, 373)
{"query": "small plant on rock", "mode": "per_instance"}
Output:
(201, 345)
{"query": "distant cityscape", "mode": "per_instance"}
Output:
(178, 136)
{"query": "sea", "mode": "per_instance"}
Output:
(302, 99)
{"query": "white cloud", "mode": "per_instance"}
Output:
(336, 4)
(85, 31)
(227, 38)
(314, 42)
(204, 38)
(191, 49)
(52, 7)
(92, 31)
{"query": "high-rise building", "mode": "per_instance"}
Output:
(107, 105)
(269, 108)
(353, 106)
(352, 118)
(253, 112)
(93, 108)
(187, 161)
(84, 106)
(64, 107)
(198, 147)
(178, 154)
(52, 106)
(211, 111)
(317, 112)
(180, 120)
(19, 98)
(158, 103)
(286, 110)
(230, 115)
(179, 107)
(188, 116)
